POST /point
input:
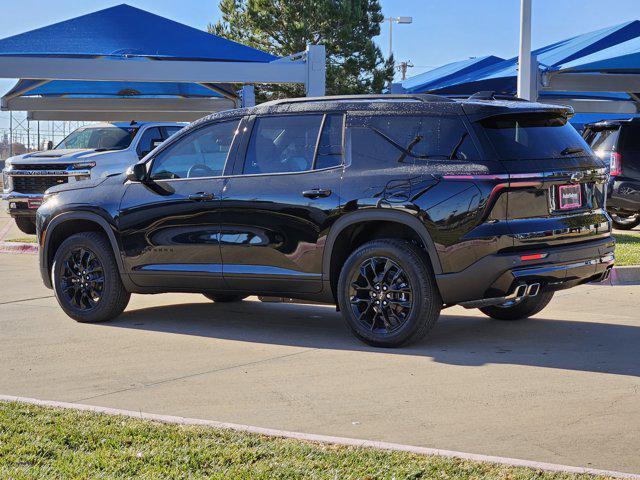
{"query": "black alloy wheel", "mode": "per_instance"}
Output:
(387, 293)
(86, 279)
(625, 222)
(82, 279)
(380, 294)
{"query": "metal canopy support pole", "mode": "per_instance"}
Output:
(248, 96)
(315, 83)
(524, 57)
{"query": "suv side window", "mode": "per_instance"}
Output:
(282, 143)
(149, 136)
(201, 153)
(329, 152)
(380, 141)
(168, 131)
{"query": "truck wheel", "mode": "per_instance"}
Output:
(86, 280)
(518, 311)
(222, 298)
(388, 294)
(26, 225)
(625, 222)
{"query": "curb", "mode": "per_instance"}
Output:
(18, 247)
(309, 437)
(625, 275)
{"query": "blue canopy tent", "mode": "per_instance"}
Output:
(555, 63)
(123, 61)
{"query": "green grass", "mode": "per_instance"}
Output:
(627, 249)
(38, 442)
(28, 239)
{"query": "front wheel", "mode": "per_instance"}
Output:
(26, 225)
(517, 311)
(86, 280)
(388, 294)
(625, 222)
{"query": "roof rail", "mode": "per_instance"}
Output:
(422, 97)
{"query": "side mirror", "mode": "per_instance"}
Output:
(137, 172)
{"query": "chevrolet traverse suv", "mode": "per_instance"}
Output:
(391, 207)
(617, 142)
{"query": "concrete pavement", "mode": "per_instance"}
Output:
(562, 388)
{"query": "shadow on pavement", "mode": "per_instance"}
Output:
(455, 340)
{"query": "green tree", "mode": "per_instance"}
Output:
(355, 64)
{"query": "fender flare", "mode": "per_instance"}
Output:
(92, 217)
(379, 215)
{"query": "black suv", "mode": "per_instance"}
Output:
(390, 207)
(618, 143)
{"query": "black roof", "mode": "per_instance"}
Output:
(476, 108)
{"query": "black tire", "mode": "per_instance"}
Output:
(625, 222)
(521, 310)
(414, 305)
(88, 285)
(26, 225)
(224, 298)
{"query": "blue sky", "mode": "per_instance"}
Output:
(443, 30)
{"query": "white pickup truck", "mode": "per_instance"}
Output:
(91, 151)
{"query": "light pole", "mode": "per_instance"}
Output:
(391, 21)
(524, 56)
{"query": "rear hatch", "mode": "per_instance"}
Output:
(556, 189)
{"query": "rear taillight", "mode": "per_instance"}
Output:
(615, 164)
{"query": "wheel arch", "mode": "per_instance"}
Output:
(346, 224)
(66, 224)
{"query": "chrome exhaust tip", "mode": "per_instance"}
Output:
(533, 289)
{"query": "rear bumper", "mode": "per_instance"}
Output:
(499, 275)
(623, 195)
(18, 203)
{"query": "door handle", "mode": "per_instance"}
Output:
(201, 196)
(316, 193)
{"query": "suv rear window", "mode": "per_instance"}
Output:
(602, 139)
(533, 135)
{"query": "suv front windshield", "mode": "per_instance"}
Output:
(533, 136)
(99, 138)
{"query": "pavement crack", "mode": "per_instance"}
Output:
(25, 300)
(197, 374)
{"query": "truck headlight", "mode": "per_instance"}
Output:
(84, 165)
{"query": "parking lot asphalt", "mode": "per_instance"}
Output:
(563, 387)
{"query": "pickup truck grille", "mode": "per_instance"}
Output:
(35, 184)
(41, 166)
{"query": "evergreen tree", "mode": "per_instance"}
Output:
(346, 28)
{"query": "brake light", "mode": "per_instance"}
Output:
(533, 256)
(615, 164)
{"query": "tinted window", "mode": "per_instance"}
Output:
(330, 146)
(149, 136)
(104, 138)
(201, 153)
(535, 135)
(630, 138)
(602, 139)
(385, 140)
(168, 131)
(284, 143)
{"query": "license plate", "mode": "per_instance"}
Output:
(34, 203)
(569, 196)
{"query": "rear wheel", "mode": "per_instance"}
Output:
(26, 225)
(86, 280)
(387, 293)
(523, 309)
(625, 222)
(222, 298)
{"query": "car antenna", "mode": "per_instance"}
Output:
(484, 95)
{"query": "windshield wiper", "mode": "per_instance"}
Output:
(571, 151)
